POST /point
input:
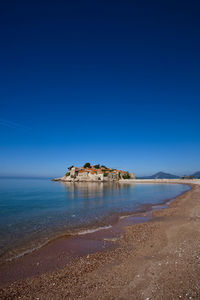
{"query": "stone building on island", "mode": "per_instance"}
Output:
(95, 173)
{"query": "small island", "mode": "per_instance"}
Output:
(94, 173)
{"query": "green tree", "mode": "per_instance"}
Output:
(97, 166)
(67, 174)
(102, 166)
(126, 176)
(87, 165)
(70, 167)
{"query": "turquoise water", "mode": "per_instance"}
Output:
(34, 210)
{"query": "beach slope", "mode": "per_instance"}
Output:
(159, 259)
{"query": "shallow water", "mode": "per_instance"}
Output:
(34, 210)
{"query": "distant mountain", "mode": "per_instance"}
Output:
(161, 175)
(196, 174)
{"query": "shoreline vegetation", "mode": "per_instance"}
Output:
(152, 233)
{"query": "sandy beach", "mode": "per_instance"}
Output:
(156, 258)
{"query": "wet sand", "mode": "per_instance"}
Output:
(159, 259)
(65, 249)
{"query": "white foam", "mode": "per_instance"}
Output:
(43, 244)
(26, 252)
(94, 230)
(124, 217)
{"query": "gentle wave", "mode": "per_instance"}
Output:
(45, 243)
(27, 252)
(94, 230)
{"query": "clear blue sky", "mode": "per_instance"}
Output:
(111, 82)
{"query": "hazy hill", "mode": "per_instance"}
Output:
(161, 175)
(196, 174)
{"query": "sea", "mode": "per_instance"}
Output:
(35, 211)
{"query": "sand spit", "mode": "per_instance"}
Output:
(159, 259)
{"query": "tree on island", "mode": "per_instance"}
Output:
(87, 165)
(70, 167)
(126, 176)
(102, 166)
(97, 166)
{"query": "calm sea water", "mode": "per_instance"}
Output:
(34, 210)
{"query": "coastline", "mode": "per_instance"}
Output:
(111, 238)
(35, 244)
(109, 220)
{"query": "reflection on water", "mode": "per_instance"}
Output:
(95, 197)
(94, 189)
(32, 209)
